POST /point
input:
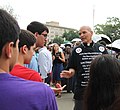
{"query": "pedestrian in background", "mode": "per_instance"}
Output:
(58, 60)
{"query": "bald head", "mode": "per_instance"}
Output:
(86, 33)
(86, 28)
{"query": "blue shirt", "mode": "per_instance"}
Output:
(33, 64)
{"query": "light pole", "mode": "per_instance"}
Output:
(93, 16)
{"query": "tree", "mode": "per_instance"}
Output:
(111, 28)
(10, 10)
(58, 40)
(70, 35)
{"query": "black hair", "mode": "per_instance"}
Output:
(9, 29)
(103, 84)
(37, 27)
(68, 45)
(26, 38)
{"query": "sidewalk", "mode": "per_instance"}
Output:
(66, 101)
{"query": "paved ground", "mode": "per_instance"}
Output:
(66, 101)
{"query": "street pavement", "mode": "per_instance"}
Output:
(65, 102)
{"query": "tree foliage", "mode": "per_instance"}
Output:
(70, 35)
(58, 40)
(111, 28)
(10, 10)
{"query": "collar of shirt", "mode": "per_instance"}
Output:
(42, 48)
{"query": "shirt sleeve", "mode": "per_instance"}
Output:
(72, 61)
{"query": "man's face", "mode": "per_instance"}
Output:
(85, 35)
(41, 39)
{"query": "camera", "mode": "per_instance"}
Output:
(57, 55)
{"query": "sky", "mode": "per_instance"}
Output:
(69, 13)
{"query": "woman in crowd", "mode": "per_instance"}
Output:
(58, 59)
(103, 90)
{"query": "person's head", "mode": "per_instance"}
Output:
(27, 45)
(9, 35)
(86, 33)
(104, 82)
(68, 49)
(49, 48)
(77, 43)
(40, 31)
(56, 47)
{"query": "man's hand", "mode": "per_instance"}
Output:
(65, 74)
(58, 88)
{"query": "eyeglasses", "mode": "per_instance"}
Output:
(45, 35)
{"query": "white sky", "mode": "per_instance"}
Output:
(69, 13)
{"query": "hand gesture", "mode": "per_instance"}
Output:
(65, 74)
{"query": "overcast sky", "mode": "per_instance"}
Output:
(69, 13)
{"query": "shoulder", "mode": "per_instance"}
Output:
(33, 86)
(77, 49)
(100, 47)
(17, 69)
(30, 93)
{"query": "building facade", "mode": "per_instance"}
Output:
(56, 30)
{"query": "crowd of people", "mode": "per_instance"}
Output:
(31, 72)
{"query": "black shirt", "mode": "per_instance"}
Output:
(80, 60)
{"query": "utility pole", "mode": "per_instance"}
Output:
(93, 16)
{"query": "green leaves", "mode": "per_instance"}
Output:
(70, 35)
(111, 28)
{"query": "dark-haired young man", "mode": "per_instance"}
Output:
(27, 45)
(45, 57)
(17, 93)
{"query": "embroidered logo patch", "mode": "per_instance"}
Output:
(101, 48)
(78, 50)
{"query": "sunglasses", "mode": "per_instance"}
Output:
(45, 35)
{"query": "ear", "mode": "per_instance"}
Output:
(36, 34)
(24, 49)
(92, 32)
(9, 50)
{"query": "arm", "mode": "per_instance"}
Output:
(71, 67)
(58, 89)
(67, 73)
(62, 58)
